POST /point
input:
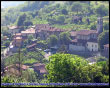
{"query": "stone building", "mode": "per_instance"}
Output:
(45, 30)
(86, 40)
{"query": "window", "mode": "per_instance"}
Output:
(96, 46)
(92, 45)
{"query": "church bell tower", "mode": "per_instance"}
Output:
(99, 25)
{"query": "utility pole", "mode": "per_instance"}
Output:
(20, 70)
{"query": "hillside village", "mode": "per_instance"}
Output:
(29, 50)
(82, 41)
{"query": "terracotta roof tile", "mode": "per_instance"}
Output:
(18, 38)
(75, 40)
(73, 33)
(13, 27)
(31, 45)
(86, 32)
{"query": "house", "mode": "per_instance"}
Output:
(14, 69)
(45, 30)
(14, 29)
(23, 67)
(73, 34)
(28, 32)
(17, 42)
(40, 69)
(4, 38)
(17, 35)
(85, 40)
(92, 45)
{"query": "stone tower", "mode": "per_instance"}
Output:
(100, 25)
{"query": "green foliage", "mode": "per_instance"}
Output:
(62, 49)
(30, 61)
(65, 38)
(103, 39)
(102, 11)
(42, 44)
(26, 57)
(21, 20)
(63, 67)
(93, 26)
(12, 79)
(64, 11)
(53, 40)
(76, 7)
(28, 23)
(105, 79)
(106, 26)
(101, 59)
(71, 68)
(60, 19)
(30, 75)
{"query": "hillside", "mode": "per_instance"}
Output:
(58, 14)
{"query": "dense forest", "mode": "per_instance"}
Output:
(62, 67)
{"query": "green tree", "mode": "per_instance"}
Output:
(21, 20)
(103, 39)
(60, 19)
(93, 26)
(76, 7)
(28, 23)
(65, 68)
(64, 11)
(101, 59)
(53, 40)
(65, 38)
(62, 49)
(102, 11)
(30, 38)
(106, 26)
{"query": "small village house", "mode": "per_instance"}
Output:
(14, 29)
(28, 32)
(17, 42)
(40, 69)
(86, 40)
(45, 30)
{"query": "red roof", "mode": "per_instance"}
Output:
(17, 34)
(86, 32)
(47, 27)
(40, 67)
(24, 67)
(75, 40)
(18, 38)
(13, 27)
(31, 45)
(29, 31)
(73, 33)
